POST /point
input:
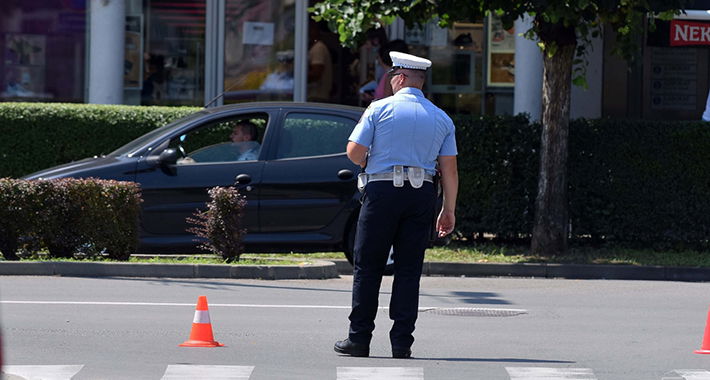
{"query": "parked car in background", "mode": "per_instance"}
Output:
(299, 184)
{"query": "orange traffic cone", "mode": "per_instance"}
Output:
(201, 334)
(705, 348)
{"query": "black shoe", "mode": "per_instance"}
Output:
(351, 348)
(401, 353)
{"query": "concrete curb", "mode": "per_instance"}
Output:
(570, 271)
(322, 269)
(319, 269)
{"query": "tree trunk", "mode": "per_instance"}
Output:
(8, 248)
(551, 215)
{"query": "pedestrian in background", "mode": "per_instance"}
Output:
(383, 88)
(706, 113)
(320, 66)
(399, 140)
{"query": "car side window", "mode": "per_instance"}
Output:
(307, 134)
(225, 140)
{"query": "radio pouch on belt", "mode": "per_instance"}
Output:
(361, 181)
(416, 176)
(398, 176)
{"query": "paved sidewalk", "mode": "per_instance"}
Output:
(571, 271)
(322, 269)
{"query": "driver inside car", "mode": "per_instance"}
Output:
(242, 145)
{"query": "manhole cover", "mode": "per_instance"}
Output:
(474, 311)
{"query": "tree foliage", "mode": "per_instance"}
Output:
(563, 29)
(556, 22)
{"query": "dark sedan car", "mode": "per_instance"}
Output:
(299, 184)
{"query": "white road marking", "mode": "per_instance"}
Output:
(44, 372)
(100, 303)
(380, 373)
(542, 373)
(693, 374)
(212, 372)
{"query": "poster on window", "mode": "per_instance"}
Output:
(24, 81)
(674, 78)
(258, 33)
(25, 49)
(24, 57)
(133, 60)
(501, 69)
(501, 54)
(501, 40)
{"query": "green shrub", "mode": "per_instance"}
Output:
(19, 210)
(221, 224)
(65, 215)
(116, 219)
(41, 135)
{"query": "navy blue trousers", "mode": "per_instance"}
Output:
(390, 216)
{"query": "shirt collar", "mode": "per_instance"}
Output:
(411, 90)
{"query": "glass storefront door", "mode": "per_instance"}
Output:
(173, 51)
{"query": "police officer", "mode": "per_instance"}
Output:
(399, 140)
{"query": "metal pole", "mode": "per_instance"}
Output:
(300, 67)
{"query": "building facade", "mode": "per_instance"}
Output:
(212, 52)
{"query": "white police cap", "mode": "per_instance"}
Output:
(408, 61)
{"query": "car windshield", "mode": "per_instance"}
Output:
(135, 145)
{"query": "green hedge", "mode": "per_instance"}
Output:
(637, 182)
(642, 182)
(36, 136)
(632, 181)
(498, 164)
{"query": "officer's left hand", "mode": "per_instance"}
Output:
(445, 223)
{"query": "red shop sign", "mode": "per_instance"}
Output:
(689, 33)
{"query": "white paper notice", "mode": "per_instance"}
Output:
(258, 33)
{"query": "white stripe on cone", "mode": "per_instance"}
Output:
(201, 316)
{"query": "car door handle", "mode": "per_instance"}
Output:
(243, 179)
(345, 174)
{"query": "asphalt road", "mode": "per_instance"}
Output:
(469, 328)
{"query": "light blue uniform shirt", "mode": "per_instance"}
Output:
(405, 129)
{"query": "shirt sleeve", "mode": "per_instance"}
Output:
(448, 148)
(364, 130)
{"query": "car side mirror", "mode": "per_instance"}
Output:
(165, 158)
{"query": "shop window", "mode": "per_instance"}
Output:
(473, 65)
(259, 55)
(43, 46)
